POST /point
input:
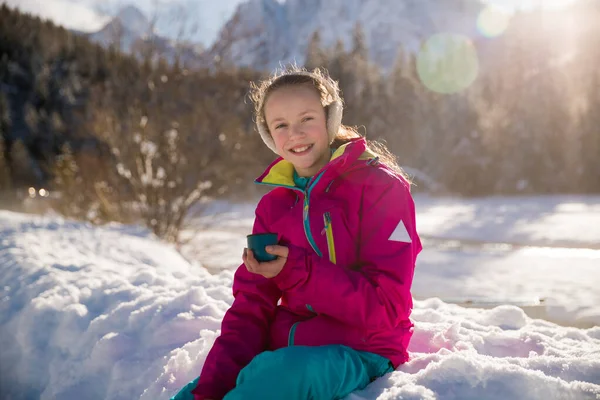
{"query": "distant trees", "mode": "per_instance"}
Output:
(4, 172)
(118, 139)
(586, 134)
(527, 124)
(315, 53)
(46, 74)
(4, 129)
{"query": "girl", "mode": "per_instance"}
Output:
(331, 313)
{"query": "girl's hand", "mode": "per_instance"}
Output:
(269, 269)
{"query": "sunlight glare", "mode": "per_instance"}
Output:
(512, 6)
(447, 63)
(493, 21)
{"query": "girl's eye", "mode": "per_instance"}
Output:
(280, 126)
(307, 119)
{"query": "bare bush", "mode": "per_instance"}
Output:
(165, 178)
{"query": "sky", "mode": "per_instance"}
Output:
(111, 313)
(203, 17)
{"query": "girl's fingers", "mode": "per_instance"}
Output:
(246, 260)
(249, 260)
(278, 250)
(250, 267)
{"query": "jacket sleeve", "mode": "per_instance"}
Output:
(244, 330)
(377, 295)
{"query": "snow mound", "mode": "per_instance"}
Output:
(111, 313)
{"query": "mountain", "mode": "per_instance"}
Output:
(132, 31)
(266, 33)
(127, 27)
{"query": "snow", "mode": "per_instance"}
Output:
(542, 252)
(101, 306)
(112, 313)
(565, 221)
(496, 354)
(494, 250)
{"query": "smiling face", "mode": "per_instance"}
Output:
(298, 124)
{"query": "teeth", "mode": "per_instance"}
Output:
(300, 149)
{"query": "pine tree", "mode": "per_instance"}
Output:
(4, 130)
(360, 49)
(315, 56)
(4, 171)
(588, 123)
(336, 62)
(22, 165)
(401, 108)
(4, 115)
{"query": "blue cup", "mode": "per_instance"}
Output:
(257, 244)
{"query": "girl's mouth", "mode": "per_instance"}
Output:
(301, 150)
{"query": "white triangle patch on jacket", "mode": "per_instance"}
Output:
(400, 234)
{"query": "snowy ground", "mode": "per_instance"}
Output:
(111, 313)
(542, 253)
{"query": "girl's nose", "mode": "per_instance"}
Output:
(297, 130)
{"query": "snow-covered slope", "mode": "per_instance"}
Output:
(110, 313)
(133, 31)
(88, 313)
(135, 21)
(265, 33)
(129, 26)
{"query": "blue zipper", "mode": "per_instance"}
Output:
(307, 230)
(292, 333)
(305, 209)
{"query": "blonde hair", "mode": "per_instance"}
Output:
(331, 100)
(319, 79)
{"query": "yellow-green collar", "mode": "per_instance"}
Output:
(281, 172)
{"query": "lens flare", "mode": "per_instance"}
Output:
(447, 63)
(493, 21)
(529, 5)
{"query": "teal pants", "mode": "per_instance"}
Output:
(303, 373)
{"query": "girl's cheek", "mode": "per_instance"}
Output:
(280, 138)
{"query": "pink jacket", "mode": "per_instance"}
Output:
(353, 246)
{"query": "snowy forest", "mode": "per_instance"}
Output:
(107, 136)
